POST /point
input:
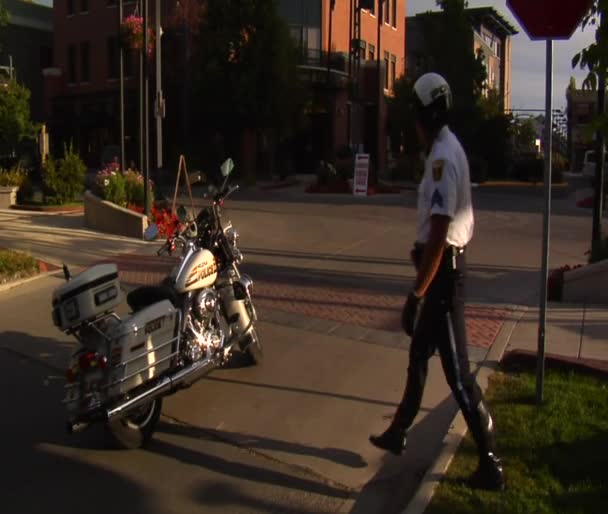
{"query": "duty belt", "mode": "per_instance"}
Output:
(450, 254)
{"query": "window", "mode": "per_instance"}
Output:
(72, 64)
(113, 58)
(84, 6)
(395, 13)
(85, 61)
(70, 7)
(393, 70)
(372, 53)
(362, 48)
(387, 11)
(386, 84)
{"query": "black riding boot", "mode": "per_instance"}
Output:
(392, 439)
(489, 473)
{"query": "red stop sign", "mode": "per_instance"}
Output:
(542, 19)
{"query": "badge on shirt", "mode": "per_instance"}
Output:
(438, 169)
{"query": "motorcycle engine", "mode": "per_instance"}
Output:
(204, 332)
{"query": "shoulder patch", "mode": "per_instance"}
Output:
(438, 169)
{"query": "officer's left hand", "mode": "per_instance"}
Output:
(408, 316)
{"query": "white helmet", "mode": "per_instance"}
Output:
(433, 100)
(432, 87)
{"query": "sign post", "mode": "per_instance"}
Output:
(361, 176)
(542, 21)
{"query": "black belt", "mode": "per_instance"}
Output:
(450, 252)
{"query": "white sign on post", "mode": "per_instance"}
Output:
(361, 174)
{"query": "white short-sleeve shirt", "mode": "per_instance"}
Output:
(445, 189)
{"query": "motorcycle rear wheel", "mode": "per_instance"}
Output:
(136, 429)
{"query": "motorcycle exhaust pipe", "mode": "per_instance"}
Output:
(184, 377)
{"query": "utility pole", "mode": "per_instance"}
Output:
(596, 234)
(121, 76)
(380, 90)
(160, 102)
(145, 138)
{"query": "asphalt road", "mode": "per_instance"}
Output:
(291, 435)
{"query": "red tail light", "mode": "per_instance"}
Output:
(92, 360)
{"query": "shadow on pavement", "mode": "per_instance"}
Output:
(216, 378)
(240, 470)
(37, 478)
(397, 480)
(230, 497)
(344, 457)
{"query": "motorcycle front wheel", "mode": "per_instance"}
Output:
(136, 429)
(253, 348)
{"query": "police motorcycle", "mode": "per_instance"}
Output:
(175, 335)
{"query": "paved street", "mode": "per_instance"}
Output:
(291, 435)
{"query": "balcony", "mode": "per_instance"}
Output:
(313, 66)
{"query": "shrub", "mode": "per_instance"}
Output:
(479, 169)
(16, 263)
(16, 176)
(63, 179)
(530, 169)
(124, 189)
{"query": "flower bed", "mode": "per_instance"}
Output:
(123, 188)
(165, 220)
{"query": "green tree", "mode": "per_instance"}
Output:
(525, 133)
(15, 121)
(246, 75)
(594, 58)
(3, 19)
(458, 63)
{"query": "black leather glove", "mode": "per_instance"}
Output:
(408, 316)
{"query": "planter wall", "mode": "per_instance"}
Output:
(108, 217)
(588, 284)
(8, 196)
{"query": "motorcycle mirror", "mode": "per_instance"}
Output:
(151, 232)
(227, 167)
(182, 214)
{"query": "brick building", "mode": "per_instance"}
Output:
(26, 48)
(82, 86)
(351, 91)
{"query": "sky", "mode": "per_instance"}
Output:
(528, 66)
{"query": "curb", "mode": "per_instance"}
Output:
(23, 281)
(458, 428)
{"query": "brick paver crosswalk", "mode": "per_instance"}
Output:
(359, 307)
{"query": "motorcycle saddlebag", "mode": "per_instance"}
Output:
(143, 346)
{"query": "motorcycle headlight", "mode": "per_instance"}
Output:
(233, 237)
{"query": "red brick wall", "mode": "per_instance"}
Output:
(95, 26)
(392, 39)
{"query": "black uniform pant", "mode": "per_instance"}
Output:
(441, 327)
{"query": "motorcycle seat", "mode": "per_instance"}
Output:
(144, 296)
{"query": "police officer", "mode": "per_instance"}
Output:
(434, 311)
